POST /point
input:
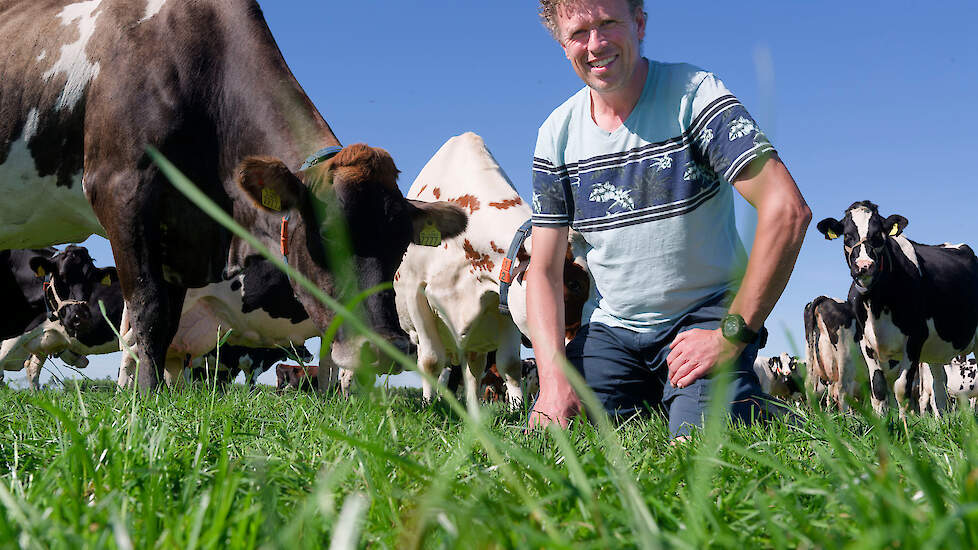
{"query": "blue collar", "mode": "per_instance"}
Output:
(319, 156)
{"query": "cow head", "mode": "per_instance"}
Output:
(865, 234)
(784, 376)
(577, 289)
(296, 377)
(75, 288)
(349, 227)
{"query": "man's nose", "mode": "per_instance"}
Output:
(595, 40)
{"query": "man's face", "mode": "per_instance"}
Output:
(601, 39)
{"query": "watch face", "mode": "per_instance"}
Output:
(731, 326)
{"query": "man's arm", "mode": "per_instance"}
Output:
(782, 219)
(545, 315)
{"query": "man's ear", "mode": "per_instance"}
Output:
(894, 225)
(830, 227)
(444, 217)
(41, 266)
(107, 276)
(270, 184)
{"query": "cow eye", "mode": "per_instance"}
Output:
(574, 286)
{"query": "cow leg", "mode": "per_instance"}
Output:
(877, 379)
(33, 366)
(473, 366)
(431, 349)
(903, 383)
(173, 371)
(508, 362)
(939, 396)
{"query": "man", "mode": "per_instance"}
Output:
(641, 161)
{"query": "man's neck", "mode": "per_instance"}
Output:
(610, 110)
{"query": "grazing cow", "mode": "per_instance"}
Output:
(224, 365)
(962, 379)
(297, 377)
(87, 85)
(256, 305)
(448, 296)
(915, 303)
(59, 316)
(779, 375)
(831, 335)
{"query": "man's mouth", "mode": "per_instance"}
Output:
(602, 63)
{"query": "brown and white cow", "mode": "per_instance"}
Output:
(831, 336)
(87, 85)
(448, 296)
(915, 303)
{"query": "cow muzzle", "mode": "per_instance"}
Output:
(76, 318)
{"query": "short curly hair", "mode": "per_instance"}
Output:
(548, 11)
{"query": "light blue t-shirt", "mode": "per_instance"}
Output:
(652, 198)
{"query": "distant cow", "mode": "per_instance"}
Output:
(226, 363)
(962, 379)
(87, 86)
(831, 334)
(448, 296)
(779, 375)
(296, 377)
(256, 305)
(51, 301)
(915, 303)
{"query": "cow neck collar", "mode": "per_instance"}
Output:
(319, 156)
(505, 272)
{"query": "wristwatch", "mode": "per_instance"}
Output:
(734, 328)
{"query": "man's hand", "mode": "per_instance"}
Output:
(695, 352)
(559, 404)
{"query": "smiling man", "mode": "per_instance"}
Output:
(643, 162)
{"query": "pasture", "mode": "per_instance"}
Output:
(238, 469)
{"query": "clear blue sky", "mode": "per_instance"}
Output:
(864, 100)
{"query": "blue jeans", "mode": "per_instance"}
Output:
(627, 371)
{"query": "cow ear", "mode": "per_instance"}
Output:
(107, 276)
(830, 227)
(444, 218)
(42, 267)
(270, 184)
(894, 225)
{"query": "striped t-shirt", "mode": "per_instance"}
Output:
(652, 198)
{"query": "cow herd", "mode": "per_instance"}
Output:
(205, 84)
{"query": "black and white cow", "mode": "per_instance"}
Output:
(51, 304)
(915, 303)
(831, 335)
(226, 363)
(87, 85)
(779, 375)
(962, 379)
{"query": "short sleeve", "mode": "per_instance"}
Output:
(723, 133)
(551, 202)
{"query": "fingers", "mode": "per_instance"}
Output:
(692, 376)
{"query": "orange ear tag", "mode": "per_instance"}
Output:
(429, 235)
(270, 199)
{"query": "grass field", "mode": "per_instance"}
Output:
(240, 469)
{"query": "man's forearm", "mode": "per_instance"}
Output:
(545, 315)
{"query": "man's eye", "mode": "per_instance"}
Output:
(608, 24)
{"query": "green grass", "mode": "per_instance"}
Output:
(243, 470)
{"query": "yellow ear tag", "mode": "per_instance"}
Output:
(270, 199)
(895, 229)
(430, 236)
(106, 281)
(831, 234)
(41, 272)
